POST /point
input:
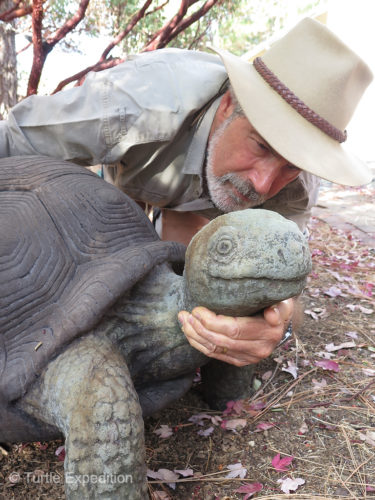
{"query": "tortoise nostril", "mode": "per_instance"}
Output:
(280, 253)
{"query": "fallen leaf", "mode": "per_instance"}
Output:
(249, 489)
(234, 424)
(266, 376)
(287, 485)
(257, 405)
(164, 475)
(333, 291)
(256, 384)
(215, 419)
(206, 432)
(164, 431)
(368, 438)
(264, 426)
(42, 446)
(160, 495)
(345, 345)
(236, 470)
(199, 418)
(318, 386)
(312, 314)
(355, 307)
(328, 365)
(281, 464)
(184, 472)
(291, 368)
(353, 335)
(317, 313)
(336, 275)
(60, 453)
(234, 407)
(369, 372)
(303, 429)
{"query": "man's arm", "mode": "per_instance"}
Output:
(67, 125)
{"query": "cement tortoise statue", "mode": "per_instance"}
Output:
(89, 336)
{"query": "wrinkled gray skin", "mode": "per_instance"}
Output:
(136, 359)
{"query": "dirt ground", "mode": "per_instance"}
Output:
(314, 405)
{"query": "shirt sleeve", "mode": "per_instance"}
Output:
(68, 125)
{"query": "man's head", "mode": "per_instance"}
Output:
(297, 100)
(242, 169)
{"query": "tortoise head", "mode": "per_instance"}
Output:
(244, 261)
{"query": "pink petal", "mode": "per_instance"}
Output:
(60, 453)
(234, 424)
(281, 464)
(328, 365)
(185, 472)
(250, 489)
(258, 405)
(263, 426)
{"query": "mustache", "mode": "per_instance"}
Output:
(243, 186)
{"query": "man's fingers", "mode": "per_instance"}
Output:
(232, 328)
(221, 356)
(280, 313)
(225, 348)
(239, 341)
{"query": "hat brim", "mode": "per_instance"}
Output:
(292, 136)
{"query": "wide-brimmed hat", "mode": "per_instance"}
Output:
(300, 96)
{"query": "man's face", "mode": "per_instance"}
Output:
(242, 169)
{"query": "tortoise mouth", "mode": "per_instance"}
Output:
(242, 296)
(243, 279)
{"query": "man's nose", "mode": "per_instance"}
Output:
(264, 174)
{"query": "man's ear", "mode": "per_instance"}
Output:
(224, 110)
(226, 106)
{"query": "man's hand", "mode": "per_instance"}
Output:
(239, 341)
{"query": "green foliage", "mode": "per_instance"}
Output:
(237, 25)
(255, 21)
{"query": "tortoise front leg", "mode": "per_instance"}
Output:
(223, 382)
(88, 394)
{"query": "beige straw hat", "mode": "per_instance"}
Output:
(300, 96)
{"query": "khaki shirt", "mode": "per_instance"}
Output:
(147, 120)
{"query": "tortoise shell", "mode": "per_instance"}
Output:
(71, 245)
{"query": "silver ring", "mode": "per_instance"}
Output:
(288, 333)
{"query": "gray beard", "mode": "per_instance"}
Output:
(219, 188)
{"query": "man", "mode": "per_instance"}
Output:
(175, 136)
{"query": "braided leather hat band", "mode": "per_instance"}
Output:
(296, 103)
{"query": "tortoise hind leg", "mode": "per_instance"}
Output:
(88, 394)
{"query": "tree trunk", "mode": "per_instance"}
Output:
(8, 65)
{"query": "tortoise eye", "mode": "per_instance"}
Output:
(224, 246)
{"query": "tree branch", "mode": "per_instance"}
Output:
(99, 66)
(161, 6)
(103, 62)
(38, 52)
(68, 25)
(158, 39)
(194, 17)
(15, 12)
(134, 20)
